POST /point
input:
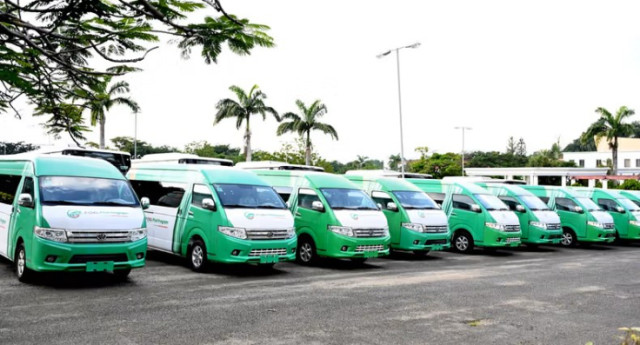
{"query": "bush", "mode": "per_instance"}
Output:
(630, 185)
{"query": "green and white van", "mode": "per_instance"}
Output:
(214, 213)
(476, 217)
(333, 217)
(61, 213)
(416, 223)
(625, 213)
(538, 223)
(582, 219)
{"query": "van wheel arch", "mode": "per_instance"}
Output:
(459, 243)
(569, 237)
(197, 248)
(306, 252)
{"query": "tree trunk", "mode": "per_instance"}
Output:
(307, 154)
(102, 121)
(247, 142)
(614, 152)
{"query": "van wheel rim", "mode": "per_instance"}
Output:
(567, 239)
(197, 255)
(21, 262)
(306, 252)
(462, 243)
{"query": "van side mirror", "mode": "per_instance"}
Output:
(209, 204)
(476, 208)
(619, 209)
(520, 209)
(391, 206)
(577, 209)
(25, 200)
(144, 201)
(317, 206)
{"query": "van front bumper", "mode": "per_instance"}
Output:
(543, 236)
(595, 234)
(413, 240)
(47, 256)
(339, 246)
(633, 233)
(232, 250)
(497, 238)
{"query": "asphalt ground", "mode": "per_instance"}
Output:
(547, 295)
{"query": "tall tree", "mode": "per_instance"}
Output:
(521, 148)
(612, 127)
(394, 162)
(102, 97)
(305, 123)
(50, 49)
(247, 105)
(511, 146)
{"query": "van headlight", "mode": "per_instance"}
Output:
(385, 231)
(138, 234)
(538, 225)
(496, 226)
(413, 227)
(57, 235)
(342, 230)
(233, 232)
(596, 224)
(634, 222)
(291, 232)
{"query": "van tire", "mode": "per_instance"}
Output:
(306, 253)
(24, 274)
(568, 238)
(197, 255)
(121, 275)
(462, 242)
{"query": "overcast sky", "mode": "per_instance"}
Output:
(530, 69)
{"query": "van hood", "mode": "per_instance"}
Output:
(360, 219)
(93, 217)
(263, 219)
(504, 217)
(602, 217)
(547, 217)
(427, 217)
(635, 215)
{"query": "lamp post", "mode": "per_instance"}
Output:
(463, 129)
(381, 55)
(135, 136)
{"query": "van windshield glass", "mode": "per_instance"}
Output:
(629, 204)
(348, 199)
(588, 204)
(415, 200)
(86, 191)
(248, 196)
(491, 202)
(534, 203)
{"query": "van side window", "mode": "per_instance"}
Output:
(284, 192)
(200, 192)
(607, 204)
(27, 187)
(165, 194)
(462, 202)
(306, 197)
(544, 199)
(437, 197)
(511, 202)
(565, 204)
(8, 188)
(381, 198)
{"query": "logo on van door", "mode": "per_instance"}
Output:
(249, 215)
(73, 214)
(354, 216)
(421, 214)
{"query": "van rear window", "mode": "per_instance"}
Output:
(164, 194)
(8, 188)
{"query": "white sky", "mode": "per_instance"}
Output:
(531, 69)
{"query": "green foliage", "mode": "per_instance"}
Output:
(293, 154)
(394, 162)
(204, 149)
(630, 185)
(549, 158)
(11, 148)
(360, 163)
(438, 165)
(631, 335)
(125, 144)
(480, 159)
(53, 52)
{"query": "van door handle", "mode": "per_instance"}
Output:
(298, 214)
(190, 213)
(453, 214)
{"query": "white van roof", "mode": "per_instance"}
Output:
(60, 149)
(386, 173)
(274, 165)
(177, 157)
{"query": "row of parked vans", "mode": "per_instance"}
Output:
(60, 213)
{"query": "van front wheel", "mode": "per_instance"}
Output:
(568, 238)
(306, 253)
(198, 256)
(22, 271)
(463, 242)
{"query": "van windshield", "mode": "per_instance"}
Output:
(588, 204)
(629, 204)
(86, 191)
(348, 199)
(248, 196)
(415, 200)
(491, 202)
(534, 203)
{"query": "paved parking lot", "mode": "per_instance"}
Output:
(543, 296)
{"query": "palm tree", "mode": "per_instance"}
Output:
(612, 127)
(362, 160)
(303, 125)
(103, 97)
(247, 105)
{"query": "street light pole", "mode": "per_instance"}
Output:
(463, 129)
(135, 136)
(397, 50)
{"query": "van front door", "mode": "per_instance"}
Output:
(310, 220)
(566, 209)
(199, 218)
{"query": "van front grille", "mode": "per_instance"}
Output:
(279, 234)
(609, 226)
(98, 236)
(269, 251)
(512, 228)
(553, 226)
(436, 228)
(369, 232)
(512, 239)
(369, 248)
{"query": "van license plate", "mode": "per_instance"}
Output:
(268, 259)
(371, 254)
(99, 266)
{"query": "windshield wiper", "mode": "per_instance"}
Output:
(271, 207)
(111, 203)
(238, 206)
(63, 202)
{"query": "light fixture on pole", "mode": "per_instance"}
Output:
(381, 55)
(463, 128)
